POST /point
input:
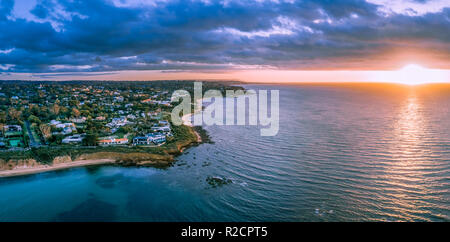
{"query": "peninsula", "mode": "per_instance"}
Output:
(48, 126)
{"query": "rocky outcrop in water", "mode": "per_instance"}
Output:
(215, 181)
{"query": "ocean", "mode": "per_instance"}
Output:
(344, 152)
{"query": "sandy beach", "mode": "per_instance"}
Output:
(45, 168)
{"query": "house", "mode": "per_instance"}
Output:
(100, 118)
(12, 131)
(157, 138)
(150, 139)
(163, 126)
(165, 129)
(117, 122)
(113, 141)
(163, 122)
(12, 128)
(54, 122)
(79, 120)
(119, 99)
(142, 140)
(74, 139)
(65, 125)
(131, 116)
(67, 128)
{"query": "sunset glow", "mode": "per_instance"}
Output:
(413, 74)
(290, 41)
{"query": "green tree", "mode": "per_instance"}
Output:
(90, 140)
(34, 119)
(75, 112)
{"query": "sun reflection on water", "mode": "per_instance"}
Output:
(405, 177)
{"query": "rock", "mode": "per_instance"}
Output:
(217, 181)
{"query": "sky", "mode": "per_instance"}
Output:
(252, 40)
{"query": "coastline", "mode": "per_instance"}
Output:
(61, 166)
(187, 121)
(90, 161)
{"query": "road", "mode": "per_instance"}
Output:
(33, 142)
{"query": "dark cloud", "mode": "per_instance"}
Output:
(5, 8)
(96, 35)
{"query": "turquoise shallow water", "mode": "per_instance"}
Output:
(343, 153)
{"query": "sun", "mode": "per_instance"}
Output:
(413, 74)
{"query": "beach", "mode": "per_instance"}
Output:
(61, 166)
(187, 120)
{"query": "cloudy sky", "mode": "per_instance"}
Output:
(295, 40)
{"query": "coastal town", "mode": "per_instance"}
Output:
(47, 118)
(89, 115)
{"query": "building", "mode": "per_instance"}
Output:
(54, 122)
(65, 125)
(150, 139)
(74, 139)
(119, 99)
(113, 141)
(12, 128)
(117, 122)
(131, 116)
(79, 120)
(157, 138)
(142, 140)
(67, 128)
(12, 131)
(163, 126)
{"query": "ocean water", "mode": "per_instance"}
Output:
(343, 153)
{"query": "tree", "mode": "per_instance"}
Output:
(55, 109)
(2, 117)
(46, 130)
(125, 129)
(75, 112)
(56, 139)
(34, 119)
(14, 114)
(90, 140)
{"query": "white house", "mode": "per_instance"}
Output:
(75, 139)
(113, 141)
